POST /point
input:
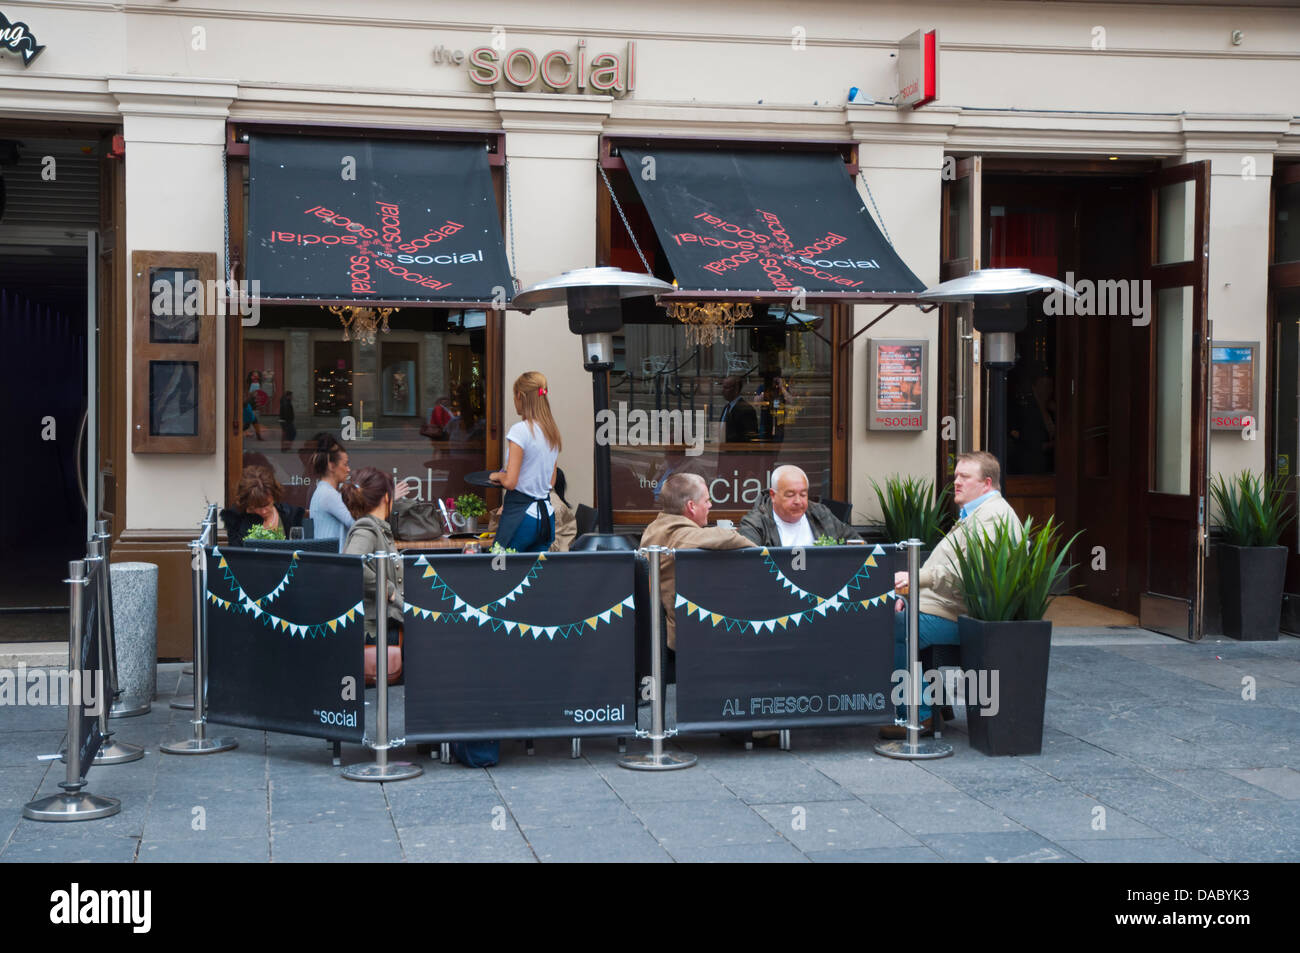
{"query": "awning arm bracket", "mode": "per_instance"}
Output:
(880, 317)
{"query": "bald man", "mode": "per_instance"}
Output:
(785, 517)
(684, 524)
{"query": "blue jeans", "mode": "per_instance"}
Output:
(931, 630)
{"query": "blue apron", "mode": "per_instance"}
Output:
(527, 523)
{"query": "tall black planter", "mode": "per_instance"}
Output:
(1018, 652)
(1251, 579)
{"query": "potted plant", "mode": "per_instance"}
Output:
(470, 508)
(913, 510)
(1007, 579)
(1253, 513)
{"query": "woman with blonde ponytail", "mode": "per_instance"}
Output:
(532, 449)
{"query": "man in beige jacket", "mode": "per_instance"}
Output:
(975, 486)
(684, 524)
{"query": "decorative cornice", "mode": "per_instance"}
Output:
(173, 97)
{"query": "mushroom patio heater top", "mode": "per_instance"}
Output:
(594, 297)
(999, 296)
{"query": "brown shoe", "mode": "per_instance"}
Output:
(899, 732)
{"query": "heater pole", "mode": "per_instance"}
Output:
(604, 486)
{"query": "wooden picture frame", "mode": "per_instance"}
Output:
(174, 352)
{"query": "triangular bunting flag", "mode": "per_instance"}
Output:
(604, 616)
(878, 551)
(871, 561)
(783, 620)
(715, 617)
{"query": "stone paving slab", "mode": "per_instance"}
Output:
(1155, 732)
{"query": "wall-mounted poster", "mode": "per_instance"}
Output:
(896, 373)
(1234, 379)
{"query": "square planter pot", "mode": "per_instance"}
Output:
(1018, 652)
(1251, 579)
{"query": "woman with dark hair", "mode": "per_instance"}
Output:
(369, 498)
(329, 465)
(257, 503)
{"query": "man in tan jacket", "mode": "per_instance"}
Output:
(975, 484)
(684, 524)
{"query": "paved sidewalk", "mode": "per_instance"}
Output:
(1151, 754)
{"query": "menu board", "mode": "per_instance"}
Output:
(1234, 367)
(896, 384)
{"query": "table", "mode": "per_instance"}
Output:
(444, 543)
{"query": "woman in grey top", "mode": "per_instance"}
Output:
(329, 465)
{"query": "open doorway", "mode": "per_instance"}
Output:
(49, 202)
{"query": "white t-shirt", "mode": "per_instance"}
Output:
(539, 459)
(794, 534)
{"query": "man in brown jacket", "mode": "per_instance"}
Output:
(683, 524)
(941, 600)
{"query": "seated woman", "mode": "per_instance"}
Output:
(369, 497)
(257, 503)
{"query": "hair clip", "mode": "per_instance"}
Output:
(541, 391)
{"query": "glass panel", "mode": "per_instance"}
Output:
(1286, 234)
(374, 398)
(730, 412)
(1173, 391)
(173, 398)
(1031, 385)
(176, 304)
(959, 219)
(1176, 231)
(1287, 378)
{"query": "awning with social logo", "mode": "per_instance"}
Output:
(374, 220)
(754, 222)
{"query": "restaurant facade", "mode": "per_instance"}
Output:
(225, 232)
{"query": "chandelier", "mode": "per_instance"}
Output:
(709, 322)
(361, 323)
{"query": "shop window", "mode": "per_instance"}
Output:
(301, 379)
(730, 412)
(1286, 231)
(174, 317)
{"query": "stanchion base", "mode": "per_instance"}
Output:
(125, 709)
(392, 771)
(199, 746)
(924, 748)
(115, 752)
(664, 761)
(81, 806)
(188, 670)
(183, 704)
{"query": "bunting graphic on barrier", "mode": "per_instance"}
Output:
(270, 597)
(854, 584)
(564, 630)
(446, 593)
(731, 623)
(275, 623)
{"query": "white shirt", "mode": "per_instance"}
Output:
(539, 460)
(794, 534)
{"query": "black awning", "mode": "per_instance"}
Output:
(765, 222)
(375, 220)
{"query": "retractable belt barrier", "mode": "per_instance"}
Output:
(85, 727)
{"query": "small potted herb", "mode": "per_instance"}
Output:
(261, 532)
(1253, 514)
(470, 508)
(1007, 579)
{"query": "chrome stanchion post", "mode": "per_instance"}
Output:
(199, 743)
(382, 769)
(914, 747)
(657, 759)
(207, 533)
(74, 804)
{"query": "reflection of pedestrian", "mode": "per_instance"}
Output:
(288, 430)
(739, 418)
(250, 418)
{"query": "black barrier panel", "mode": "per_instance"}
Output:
(285, 637)
(784, 638)
(89, 737)
(533, 645)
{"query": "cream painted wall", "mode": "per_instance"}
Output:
(175, 185)
(552, 142)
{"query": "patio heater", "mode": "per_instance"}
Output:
(594, 297)
(1000, 297)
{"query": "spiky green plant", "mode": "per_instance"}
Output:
(1253, 511)
(1007, 575)
(912, 509)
